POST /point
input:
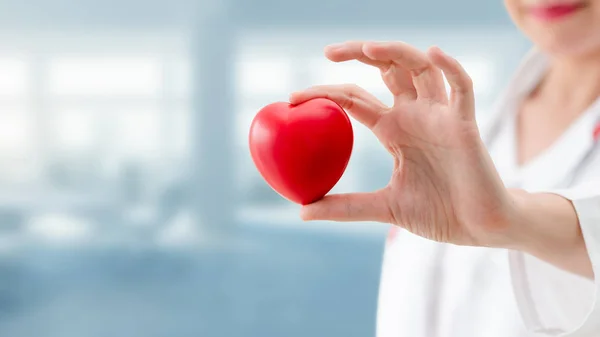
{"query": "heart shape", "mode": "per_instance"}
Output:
(301, 150)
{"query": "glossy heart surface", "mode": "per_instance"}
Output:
(301, 150)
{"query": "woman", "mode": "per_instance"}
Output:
(473, 258)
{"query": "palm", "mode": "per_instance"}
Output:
(435, 196)
(444, 186)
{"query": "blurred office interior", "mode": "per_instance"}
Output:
(129, 205)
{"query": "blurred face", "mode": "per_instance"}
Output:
(559, 27)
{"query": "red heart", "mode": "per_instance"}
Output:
(301, 150)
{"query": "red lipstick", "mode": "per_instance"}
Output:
(554, 12)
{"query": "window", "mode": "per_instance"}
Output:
(14, 81)
(137, 133)
(263, 74)
(17, 129)
(17, 162)
(179, 131)
(94, 102)
(74, 130)
(130, 107)
(104, 76)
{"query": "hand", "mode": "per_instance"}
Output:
(444, 185)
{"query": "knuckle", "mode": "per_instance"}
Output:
(347, 93)
(347, 102)
(421, 70)
(466, 84)
(465, 77)
(469, 82)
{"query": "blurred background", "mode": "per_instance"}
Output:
(129, 205)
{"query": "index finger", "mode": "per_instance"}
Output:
(364, 107)
(352, 50)
(397, 79)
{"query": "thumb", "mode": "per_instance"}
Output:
(349, 208)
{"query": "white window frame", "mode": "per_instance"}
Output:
(174, 97)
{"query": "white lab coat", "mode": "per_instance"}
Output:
(430, 289)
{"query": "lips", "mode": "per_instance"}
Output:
(555, 11)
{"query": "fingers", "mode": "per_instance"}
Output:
(351, 50)
(411, 74)
(462, 97)
(349, 207)
(361, 105)
(397, 79)
(426, 77)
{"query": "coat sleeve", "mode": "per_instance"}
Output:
(553, 302)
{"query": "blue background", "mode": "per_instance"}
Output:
(129, 205)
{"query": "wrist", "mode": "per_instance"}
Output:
(546, 226)
(536, 222)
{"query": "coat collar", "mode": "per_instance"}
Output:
(554, 167)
